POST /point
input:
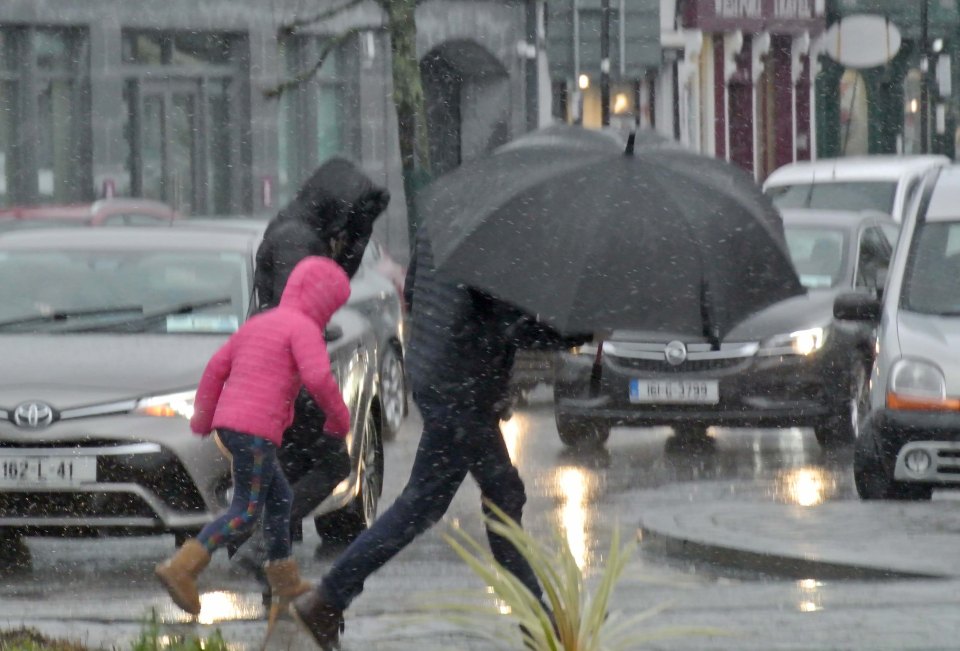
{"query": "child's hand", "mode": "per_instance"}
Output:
(337, 424)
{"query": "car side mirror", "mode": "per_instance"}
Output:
(857, 307)
(332, 333)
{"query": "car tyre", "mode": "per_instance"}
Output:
(584, 434)
(393, 393)
(875, 482)
(343, 526)
(845, 427)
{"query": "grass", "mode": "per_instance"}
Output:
(582, 620)
(151, 639)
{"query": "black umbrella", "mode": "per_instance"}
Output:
(590, 239)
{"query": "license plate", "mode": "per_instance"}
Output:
(693, 392)
(39, 471)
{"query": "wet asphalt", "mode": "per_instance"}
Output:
(100, 590)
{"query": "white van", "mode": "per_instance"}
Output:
(883, 183)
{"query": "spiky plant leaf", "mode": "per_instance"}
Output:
(570, 617)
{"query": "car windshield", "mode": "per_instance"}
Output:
(846, 195)
(932, 280)
(819, 254)
(171, 292)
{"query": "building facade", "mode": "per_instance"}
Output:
(168, 100)
(877, 109)
(744, 79)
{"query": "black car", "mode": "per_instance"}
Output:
(789, 365)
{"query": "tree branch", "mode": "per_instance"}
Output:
(291, 28)
(307, 75)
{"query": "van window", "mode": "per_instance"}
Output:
(932, 279)
(846, 195)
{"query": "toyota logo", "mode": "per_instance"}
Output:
(33, 415)
(676, 353)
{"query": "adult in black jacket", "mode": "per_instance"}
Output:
(459, 358)
(332, 215)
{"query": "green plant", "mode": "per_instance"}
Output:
(28, 639)
(573, 618)
(152, 639)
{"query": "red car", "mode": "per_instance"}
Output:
(106, 212)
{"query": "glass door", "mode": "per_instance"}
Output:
(166, 125)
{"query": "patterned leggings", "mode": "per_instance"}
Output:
(260, 489)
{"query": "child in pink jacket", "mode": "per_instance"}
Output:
(247, 394)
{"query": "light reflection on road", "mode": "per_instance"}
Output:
(221, 606)
(806, 486)
(811, 597)
(514, 431)
(574, 487)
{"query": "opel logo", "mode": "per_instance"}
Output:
(676, 353)
(33, 415)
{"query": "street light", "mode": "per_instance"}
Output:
(925, 78)
(583, 82)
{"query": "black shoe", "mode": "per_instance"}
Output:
(323, 621)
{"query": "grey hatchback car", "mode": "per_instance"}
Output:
(104, 334)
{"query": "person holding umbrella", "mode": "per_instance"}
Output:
(505, 259)
(461, 350)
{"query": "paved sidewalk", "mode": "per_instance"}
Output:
(846, 539)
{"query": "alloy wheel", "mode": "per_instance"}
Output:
(393, 391)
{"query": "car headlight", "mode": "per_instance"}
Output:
(169, 405)
(917, 384)
(801, 342)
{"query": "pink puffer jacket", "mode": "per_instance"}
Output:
(250, 384)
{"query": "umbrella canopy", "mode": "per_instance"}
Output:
(590, 239)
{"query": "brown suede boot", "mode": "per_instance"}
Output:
(323, 621)
(179, 575)
(285, 586)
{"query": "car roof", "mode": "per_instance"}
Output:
(880, 167)
(846, 219)
(945, 198)
(125, 237)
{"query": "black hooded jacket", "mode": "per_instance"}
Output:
(338, 199)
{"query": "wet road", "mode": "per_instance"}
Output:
(100, 590)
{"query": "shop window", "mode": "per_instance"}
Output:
(854, 114)
(44, 116)
(184, 120)
(312, 116)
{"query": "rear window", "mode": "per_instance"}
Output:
(818, 254)
(853, 195)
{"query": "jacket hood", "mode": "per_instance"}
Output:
(337, 197)
(318, 287)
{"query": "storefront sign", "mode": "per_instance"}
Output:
(753, 16)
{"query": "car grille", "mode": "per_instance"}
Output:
(948, 462)
(689, 366)
(73, 505)
(160, 472)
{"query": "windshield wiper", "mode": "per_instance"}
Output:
(66, 315)
(149, 318)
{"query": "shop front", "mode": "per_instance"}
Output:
(745, 80)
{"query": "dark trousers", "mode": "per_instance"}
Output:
(454, 442)
(259, 488)
(312, 462)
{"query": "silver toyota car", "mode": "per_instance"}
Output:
(104, 334)
(910, 442)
